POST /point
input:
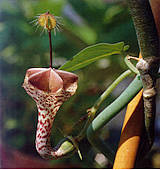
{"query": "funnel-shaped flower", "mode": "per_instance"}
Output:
(49, 88)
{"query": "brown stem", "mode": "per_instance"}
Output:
(148, 67)
(50, 46)
(148, 70)
(145, 27)
(155, 5)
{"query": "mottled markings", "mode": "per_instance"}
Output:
(48, 104)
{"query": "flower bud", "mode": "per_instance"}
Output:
(47, 20)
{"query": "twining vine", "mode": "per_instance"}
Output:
(50, 87)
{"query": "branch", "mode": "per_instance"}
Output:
(148, 67)
(145, 27)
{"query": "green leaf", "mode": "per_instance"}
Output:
(92, 54)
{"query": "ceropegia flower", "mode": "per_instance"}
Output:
(49, 88)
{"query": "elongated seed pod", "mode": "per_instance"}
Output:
(49, 88)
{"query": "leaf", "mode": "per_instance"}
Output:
(92, 54)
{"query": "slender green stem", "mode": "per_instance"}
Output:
(97, 104)
(130, 65)
(110, 89)
(111, 111)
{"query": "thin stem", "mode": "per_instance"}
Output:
(94, 108)
(50, 46)
(130, 139)
(111, 111)
(130, 65)
(110, 89)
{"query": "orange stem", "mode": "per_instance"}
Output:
(133, 122)
(130, 134)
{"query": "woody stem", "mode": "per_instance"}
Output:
(145, 27)
(148, 66)
(50, 46)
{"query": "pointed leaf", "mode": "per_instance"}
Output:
(92, 54)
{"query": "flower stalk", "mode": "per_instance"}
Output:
(50, 46)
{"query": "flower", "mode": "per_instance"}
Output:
(48, 21)
(49, 88)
